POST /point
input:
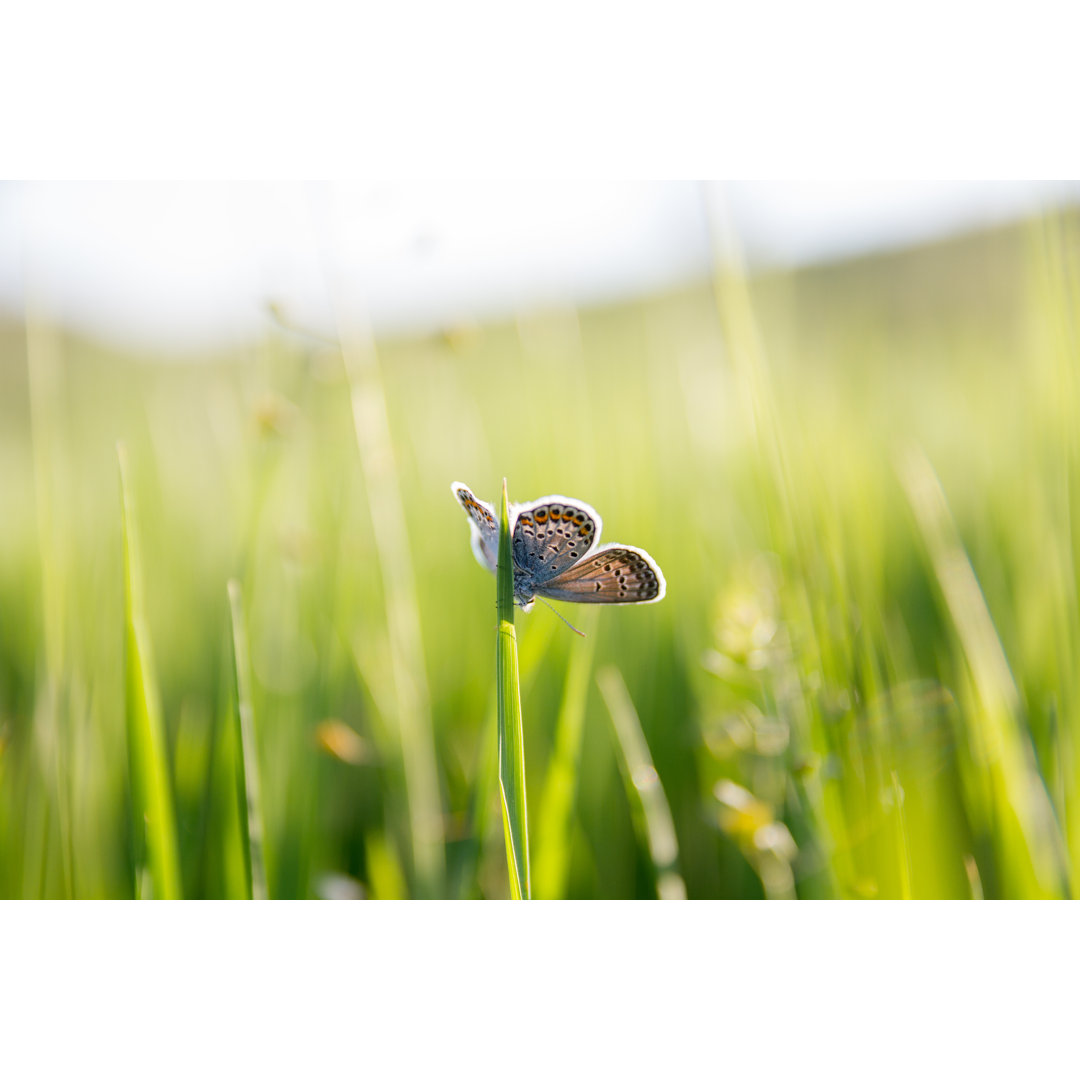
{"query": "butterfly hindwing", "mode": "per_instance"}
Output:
(613, 574)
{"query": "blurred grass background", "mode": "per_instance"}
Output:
(860, 481)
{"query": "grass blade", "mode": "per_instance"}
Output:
(247, 769)
(560, 783)
(901, 837)
(43, 359)
(155, 822)
(483, 797)
(511, 742)
(652, 815)
(413, 713)
(1008, 791)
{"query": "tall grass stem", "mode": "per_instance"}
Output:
(151, 790)
(561, 781)
(43, 361)
(1010, 791)
(652, 814)
(378, 464)
(247, 771)
(511, 741)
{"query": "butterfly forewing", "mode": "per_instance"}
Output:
(551, 535)
(484, 526)
(614, 574)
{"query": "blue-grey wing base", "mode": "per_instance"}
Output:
(551, 534)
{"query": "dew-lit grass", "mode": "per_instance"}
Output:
(860, 481)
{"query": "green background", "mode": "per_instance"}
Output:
(860, 480)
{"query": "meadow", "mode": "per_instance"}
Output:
(860, 480)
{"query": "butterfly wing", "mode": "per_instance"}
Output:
(551, 534)
(613, 574)
(483, 525)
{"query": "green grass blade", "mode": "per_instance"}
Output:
(652, 815)
(413, 702)
(511, 742)
(463, 877)
(1006, 791)
(486, 780)
(561, 781)
(247, 771)
(155, 823)
(229, 825)
(901, 837)
(44, 368)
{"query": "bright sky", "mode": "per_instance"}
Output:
(189, 264)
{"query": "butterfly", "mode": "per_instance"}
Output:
(553, 546)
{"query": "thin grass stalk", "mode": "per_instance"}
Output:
(903, 853)
(756, 388)
(43, 371)
(377, 462)
(971, 868)
(463, 877)
(1056, 314)
(386, 507)
(511, 740)
(154, 818)
(749, 361)
(247, 767)
(652, 814)
(561, 781)
(487, 770)
(1006, 785)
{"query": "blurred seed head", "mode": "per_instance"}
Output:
(462, 336)
(338, 887)
(727, 736)
(806, 766)
(645, 777)
(339, 740)
(741, 813)
(771, 736)
(746, 731)
(747, 625)
(275, 416)
(776, 839)
(299, 545)
(766, 842)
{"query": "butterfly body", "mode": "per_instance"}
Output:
(554, 548)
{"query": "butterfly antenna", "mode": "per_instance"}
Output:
(564, 619)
